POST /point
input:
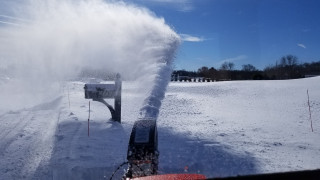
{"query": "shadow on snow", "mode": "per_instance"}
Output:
(180, 154)
(77, 156)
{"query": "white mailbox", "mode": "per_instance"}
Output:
(99, 92)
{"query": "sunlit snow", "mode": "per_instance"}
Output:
(217, 129)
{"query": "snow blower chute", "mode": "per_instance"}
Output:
(143, 151)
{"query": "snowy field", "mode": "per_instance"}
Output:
(217, 129)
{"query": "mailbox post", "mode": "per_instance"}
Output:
(117, 98)
(99, 92)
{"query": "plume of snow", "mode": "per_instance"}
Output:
(59, 38)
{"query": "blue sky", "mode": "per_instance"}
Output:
(256, 32)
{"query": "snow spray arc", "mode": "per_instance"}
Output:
(143, 154)
(56, 39)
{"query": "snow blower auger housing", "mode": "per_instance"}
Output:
(143, 149)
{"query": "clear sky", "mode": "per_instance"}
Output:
(257, 32)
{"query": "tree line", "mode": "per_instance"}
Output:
(287, 67)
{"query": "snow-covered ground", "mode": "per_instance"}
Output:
(217, 129)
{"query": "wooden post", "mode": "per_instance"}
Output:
(88, 121)
(117, 98)
(309, 111)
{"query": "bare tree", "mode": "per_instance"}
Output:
(292, 60)
(203, 71)
(227, 66)
(248, 68)
(225, 70)
(288, 60)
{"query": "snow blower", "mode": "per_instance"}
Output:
(143, 151)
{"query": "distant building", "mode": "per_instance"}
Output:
(180, 78)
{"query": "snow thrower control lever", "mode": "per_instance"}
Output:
(143, 149)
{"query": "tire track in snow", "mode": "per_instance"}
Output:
(8, 134)
(27, 142)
